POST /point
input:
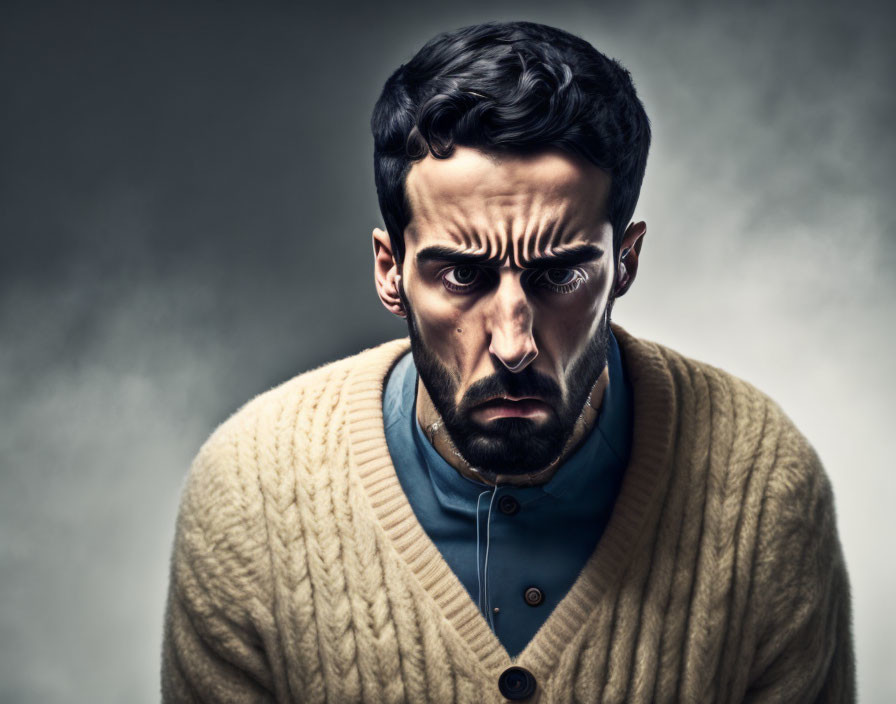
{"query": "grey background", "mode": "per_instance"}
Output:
(186, 200)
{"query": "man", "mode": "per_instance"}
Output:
(521, 501)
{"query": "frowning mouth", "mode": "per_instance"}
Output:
(508, 399)
(509, 406)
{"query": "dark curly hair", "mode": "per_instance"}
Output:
(515, 87)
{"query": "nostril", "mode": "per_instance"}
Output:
(516, 367)
(520, 364)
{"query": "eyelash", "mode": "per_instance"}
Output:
(554, 288)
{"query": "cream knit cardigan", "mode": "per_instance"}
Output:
(300, 573)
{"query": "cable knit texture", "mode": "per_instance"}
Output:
(300, 574)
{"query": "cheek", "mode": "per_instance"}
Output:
(567, 329)
(448, 332)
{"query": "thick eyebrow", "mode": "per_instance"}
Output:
(441, 253)
(566, 257)
(559, 258)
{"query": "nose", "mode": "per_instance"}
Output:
(510, 325)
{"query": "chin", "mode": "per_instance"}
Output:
(511, 446)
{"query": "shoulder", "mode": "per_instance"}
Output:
(759, 478)
(756, 424)
(266, 412)
(251, 451)
(709, 396)
(725, 433)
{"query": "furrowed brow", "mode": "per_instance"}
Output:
(566, 257)
(440, 253)
(562, 258)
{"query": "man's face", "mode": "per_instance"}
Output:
(506, 283)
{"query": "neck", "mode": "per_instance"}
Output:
(431, 422)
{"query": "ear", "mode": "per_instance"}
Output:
(629, 251)
(386, 273)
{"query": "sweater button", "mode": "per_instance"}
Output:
(516, 683)
(508, 505)
(533, 596)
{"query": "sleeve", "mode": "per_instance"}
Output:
(801, 593)
(212, 648)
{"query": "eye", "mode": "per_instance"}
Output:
(561, 280)
(559, 277)
(461, 278)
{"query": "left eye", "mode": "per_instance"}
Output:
(559, 280)
(559, 277)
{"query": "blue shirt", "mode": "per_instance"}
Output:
(503, 542)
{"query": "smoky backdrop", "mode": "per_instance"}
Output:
(186, 202)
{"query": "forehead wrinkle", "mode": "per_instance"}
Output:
(548, 225)
(537, 231)
(461, 187)
(540, 235)
(533, 226)
(491, 230)
(505, 218)
(503, 246)
(520, 246)
(497, 228)
(530, 239)
(506, 226)
(478, 241)
(475, 243)
(555, 236)
(457, 226)
(551, 235)
(487, 235)
(509, 226)
(465, 238)
(538, 218)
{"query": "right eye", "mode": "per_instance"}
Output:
(461, 278)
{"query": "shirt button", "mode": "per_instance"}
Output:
(508, 505)
(516, 683)
(533, 596)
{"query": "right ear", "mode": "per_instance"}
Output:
(386, 273)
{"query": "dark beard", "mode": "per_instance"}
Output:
(510, 446)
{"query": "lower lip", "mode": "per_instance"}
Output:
(512, 409)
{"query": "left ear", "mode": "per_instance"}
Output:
(629, 250)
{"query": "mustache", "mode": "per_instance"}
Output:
(505, 383)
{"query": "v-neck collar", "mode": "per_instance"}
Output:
(644, 477)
